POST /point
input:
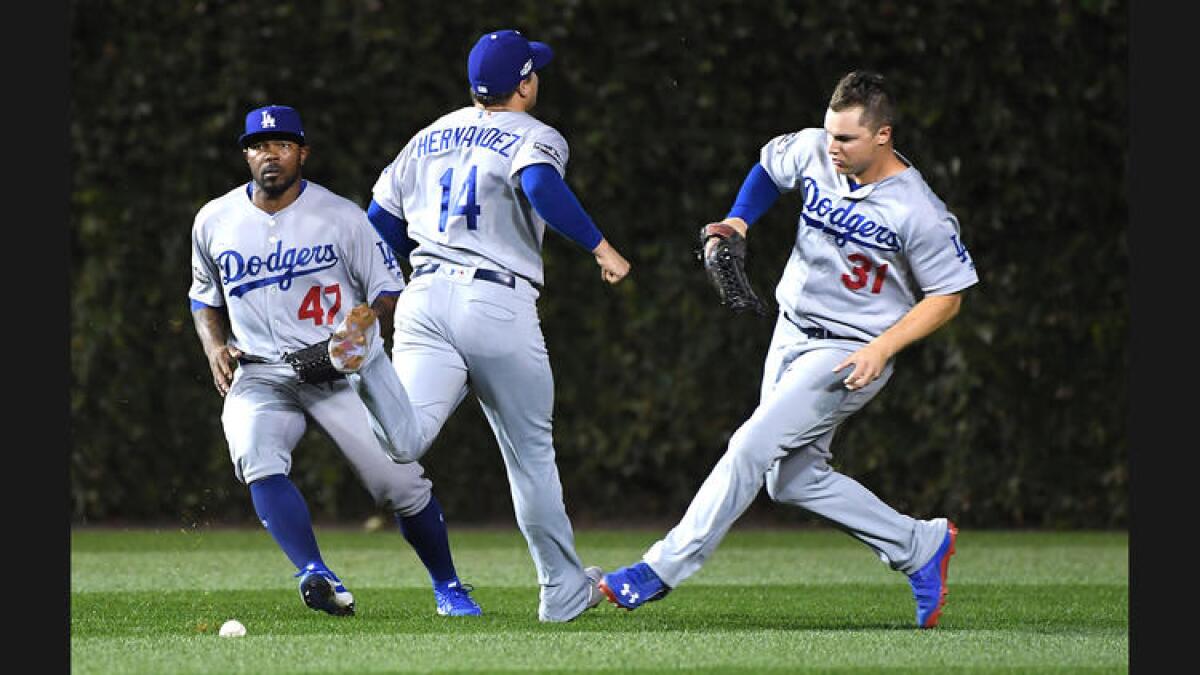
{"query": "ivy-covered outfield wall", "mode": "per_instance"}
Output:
(1016, 113)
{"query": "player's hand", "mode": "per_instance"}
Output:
(613, 267)
(736, 223)
(868, 363)
(221, 361)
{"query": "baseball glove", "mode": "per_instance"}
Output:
(725, 265)
(312, 364)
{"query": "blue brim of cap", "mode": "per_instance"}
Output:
(246, 139)
(542, 54)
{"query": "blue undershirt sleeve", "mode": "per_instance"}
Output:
(556, 204)
(197, 305)
(391, 229)
(757, 195)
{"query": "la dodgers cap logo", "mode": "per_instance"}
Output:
(277, 120)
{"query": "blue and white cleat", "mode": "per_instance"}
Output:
(454, 599)
(321, 590)
(633, 586)
(929, 582)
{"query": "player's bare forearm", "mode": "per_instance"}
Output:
(613, 266)
(212, 327)
(924, 318)
(385, 310)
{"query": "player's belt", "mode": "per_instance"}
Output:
(816, 332)
(494, 276)
(250, 358)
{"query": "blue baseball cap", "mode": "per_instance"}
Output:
(501, 59)
(276, 121)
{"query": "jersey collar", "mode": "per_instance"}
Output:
(854, 190)
(250, 189)
(857, 191)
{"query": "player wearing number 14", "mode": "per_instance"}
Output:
(467, 201)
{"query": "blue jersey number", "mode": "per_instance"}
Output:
(465, 203)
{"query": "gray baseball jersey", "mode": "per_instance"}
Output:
(468, 320)
(287, 279)
(468, 158)
(863, 257)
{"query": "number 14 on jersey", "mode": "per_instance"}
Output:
(464, 203)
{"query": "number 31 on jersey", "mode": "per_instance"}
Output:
(862, 272)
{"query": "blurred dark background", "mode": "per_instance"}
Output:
(1013, 415)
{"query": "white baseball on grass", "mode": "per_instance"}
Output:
(232, 628)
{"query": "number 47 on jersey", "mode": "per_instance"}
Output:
(311, 307)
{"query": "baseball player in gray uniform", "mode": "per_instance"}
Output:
(467, 200)
(277, 263)
(878, 263)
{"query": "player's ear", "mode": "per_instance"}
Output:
(883, 135)
(303, 154)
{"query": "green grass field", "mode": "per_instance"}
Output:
(801, 600)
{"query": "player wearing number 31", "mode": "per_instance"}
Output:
(277, 263)
(878, 263)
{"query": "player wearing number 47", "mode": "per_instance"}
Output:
(277, 263)
(467, 201)
(878, 264)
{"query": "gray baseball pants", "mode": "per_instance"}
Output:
(266, 412)
(785, 444)
(450, 328)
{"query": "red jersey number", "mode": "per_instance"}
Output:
(312, 308)
(860, 274)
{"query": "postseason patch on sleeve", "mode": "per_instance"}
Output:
(549, 151)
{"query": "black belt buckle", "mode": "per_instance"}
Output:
(817, 333)
(814, 332)
(502, 278)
